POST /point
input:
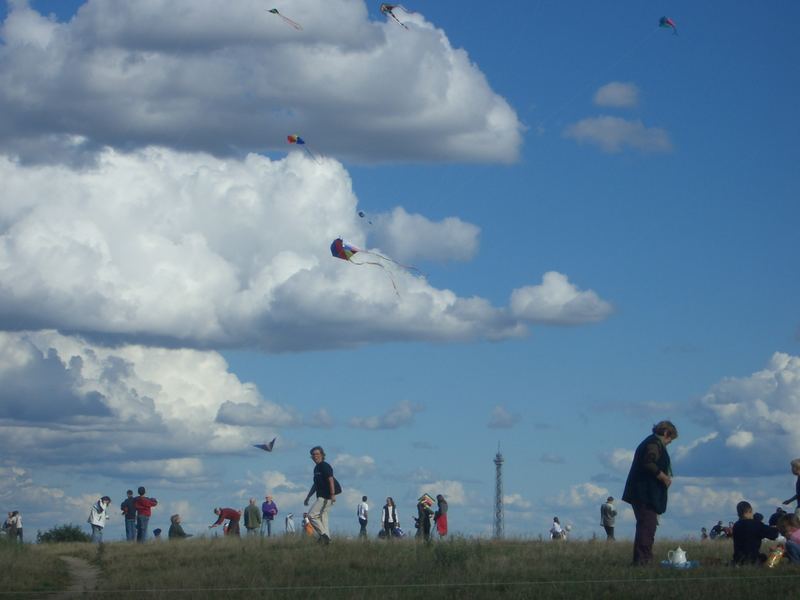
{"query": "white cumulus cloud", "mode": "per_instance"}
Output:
(453, 491)
(170, 248)
(755, 422)
(159, 405)
(189, 75)
(558, 302)
(412, 236)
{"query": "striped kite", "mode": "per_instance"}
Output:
(296, 139)
(346, 251)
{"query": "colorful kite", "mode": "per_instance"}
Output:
(274, 11)
(387, 10)
(268, 447)
(296, 139)
(346, 251)
(666, 23)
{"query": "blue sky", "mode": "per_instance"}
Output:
(650, 173)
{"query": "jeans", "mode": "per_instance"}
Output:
(266, 525)
(141, 528)
(792, 551)
(609, 532)
(646, 524)
(318, 516)
(130, 530)
(363, 532)
(97, 534)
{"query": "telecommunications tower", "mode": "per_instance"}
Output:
(498, 495)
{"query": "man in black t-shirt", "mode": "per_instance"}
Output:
(325, 487)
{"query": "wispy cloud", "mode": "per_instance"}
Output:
(501, 418)
(617, 94)
(401, 414)
(613, 134)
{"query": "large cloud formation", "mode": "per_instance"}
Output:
(130, 74)
(177, 249)
(69, 402)
(754, 422)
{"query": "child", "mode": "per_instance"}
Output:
(789, 526)
(747, 536)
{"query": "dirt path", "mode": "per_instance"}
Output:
(83, 575)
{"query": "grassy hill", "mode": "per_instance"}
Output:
(299, 568)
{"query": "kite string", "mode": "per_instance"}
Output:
(377, 264)
(541, 124)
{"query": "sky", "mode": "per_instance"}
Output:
(601, 217)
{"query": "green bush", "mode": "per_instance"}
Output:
(62, 533)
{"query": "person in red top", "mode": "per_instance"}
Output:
(143, 505)
(233, 517)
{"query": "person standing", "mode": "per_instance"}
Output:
(389, 518)
(646, 487)
(252, 518)
(144, 506)
(423, 521)
(98, 517)
(440, 518)
(288, 523)
(128, 508)
(269, 511)
(15, 530)
(325, 486)
(608, 515)
(362, 511)
(232, 515)
(795, 464)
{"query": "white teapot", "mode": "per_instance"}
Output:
(676, 557)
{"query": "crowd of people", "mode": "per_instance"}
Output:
(258, 520)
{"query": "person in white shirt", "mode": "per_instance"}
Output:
(556, 531)
(363, 516)
(98, 517)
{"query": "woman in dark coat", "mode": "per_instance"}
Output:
(646, 488)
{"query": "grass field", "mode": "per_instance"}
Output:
(299, 568)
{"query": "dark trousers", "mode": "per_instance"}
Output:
(363, 532)
(609, 532)
(646, 523)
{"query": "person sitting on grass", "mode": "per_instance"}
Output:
(789, 526)
(747, 536)
(176, 531)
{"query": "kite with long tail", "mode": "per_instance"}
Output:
(388, 9)
(667, 23)
(274, 11)
(346, 251)
(296, 139)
